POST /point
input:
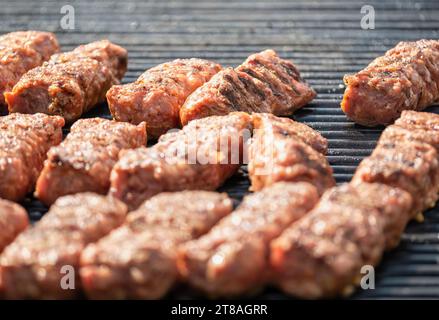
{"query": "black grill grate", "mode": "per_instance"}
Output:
(323, 37)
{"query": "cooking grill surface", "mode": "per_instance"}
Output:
(325, 40)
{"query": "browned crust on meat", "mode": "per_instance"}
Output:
(84, 160)
(232, 258)
(32, 264)
(200, 156)
(149, 241)
(263, 83)
(71, 83)
(24, 142)
(410, 165)
(322, 254)
(21, 51)
(157, 95)
(278, 152)
(405, 78)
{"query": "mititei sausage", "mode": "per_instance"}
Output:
(34, 265)
(24, 142)
(405, 78)
(144, 264)
(21, 51)
(157, 95)
(263, 83)
(83, 161)
(70, 83)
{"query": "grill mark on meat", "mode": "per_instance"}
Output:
(31, 265)
(71, 83)
(149, 240)
(273, 90)
(250, 86)
(144, 172)
(405, 78)
(232, 92)
(284, 150)
(83, 161)
(261, 78)
(24, 142)
(233, 257)
(21, 51)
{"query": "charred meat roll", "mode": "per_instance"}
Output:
(405, 78)
(13, 220)
(322, 254)
(83, 161)
(157, 95)
(21, 51)
(263, 83)
(35, 264)
(232, 258)
(284, 150)
(409, 165)
(24, 142)
(71, 83)
(144, 265)
(200, 156)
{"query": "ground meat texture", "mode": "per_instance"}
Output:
(232, 258)
(267, 122)
(322, 254)
(201, 156)
(405, 78)
(24, 142)
(21, 51)
(13, 220)
(279, 151)
(32, 264)
(393, 204)
(70, 84)
(83, 161)
(409, 165)
(414, 126)
(263, 83)
(157, 95)
(149, 240)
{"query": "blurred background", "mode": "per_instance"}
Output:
(324, 38)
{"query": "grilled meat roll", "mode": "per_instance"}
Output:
(24, 142)
(233, 257)
(71, 83)
(409, 165)
(263, 83)
(21, 51)
(284, 150)
(405, 78)
(83, 161)
(157, 95)
(200, 156)
(149, 240)
(33, 265)
(322, 254)
(412, 125)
